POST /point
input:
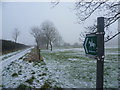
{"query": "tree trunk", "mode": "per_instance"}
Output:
(51, 46)
(47, 46)
(15, 40)
(38, 52)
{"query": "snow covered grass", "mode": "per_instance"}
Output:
(72, 69)
(25, 72)
(111, 70)
(5, 56)
(61, 68)
(22, 73)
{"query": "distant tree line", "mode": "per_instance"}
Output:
(47, 35)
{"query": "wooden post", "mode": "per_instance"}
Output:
(100, 53)
(38, 52)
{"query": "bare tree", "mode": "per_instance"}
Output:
(58, 41)
(42, 41)
(109, 10)
(16, 33)
(66, 44)
(76, 44)
(50, 32)
(36, 32)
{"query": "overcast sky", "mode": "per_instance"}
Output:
(24, 15)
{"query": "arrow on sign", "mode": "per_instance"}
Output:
(85, 45)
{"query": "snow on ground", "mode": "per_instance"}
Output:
(5, 56)
(20, 71)
(16, 71)
(65, 68)
(72, 69)
(7, 61)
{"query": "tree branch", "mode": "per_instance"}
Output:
(112, 37)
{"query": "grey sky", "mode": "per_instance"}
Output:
(24, 15)
(0, 20)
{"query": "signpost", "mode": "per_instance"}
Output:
(90, 45)
(94, 48)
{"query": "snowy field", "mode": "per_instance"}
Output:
(62, 68)
(74, 70)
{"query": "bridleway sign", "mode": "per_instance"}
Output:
(90, 45)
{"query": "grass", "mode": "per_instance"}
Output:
(20, 72)
(33, 57)
(21, 57)
(113, 49)
(49, 84)
(30, 81)
(37, 81)
(76, 68)
(46, 85)
(83, 68)
(14, 75)
(43, 74)
(33, 73)
(23, 87)
(1, 85)
(69, 47)
(63, 55)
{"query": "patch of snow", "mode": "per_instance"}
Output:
(72, 59)
(5, 56)
(82, 73)
(78, 74)
(27, 71)
(13, 58)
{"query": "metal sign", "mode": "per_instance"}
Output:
(90, 45)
